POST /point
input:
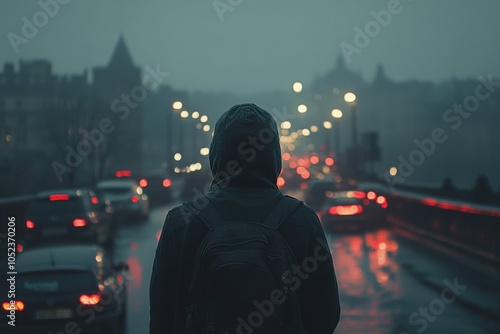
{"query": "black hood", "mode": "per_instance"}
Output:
(245, 149)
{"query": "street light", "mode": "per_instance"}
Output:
(337, 114)
(177, 105)
(286, 125)
(350, 98)
(204, 118)
(297, 87)
(327, 125)
(302, 108)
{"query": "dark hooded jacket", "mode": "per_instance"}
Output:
(245, 159)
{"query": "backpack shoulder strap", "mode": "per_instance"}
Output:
(285, 207)
(208, 214)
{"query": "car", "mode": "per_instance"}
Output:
(125, 196)
(67, 215)
(158, 187)
(317, 193)
(66, 289)
(352, 210)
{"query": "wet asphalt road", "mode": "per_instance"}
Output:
(388, 283)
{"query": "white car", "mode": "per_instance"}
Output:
(125, 196)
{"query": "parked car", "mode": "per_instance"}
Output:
(67, 215)
(352, 210)
(125, 196)
(66, 288)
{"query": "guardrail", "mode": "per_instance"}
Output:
(470, 227)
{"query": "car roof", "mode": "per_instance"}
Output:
(61, 257)
(116, 183)
(71, 192)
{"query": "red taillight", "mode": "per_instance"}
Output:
(16, 306)
(385, 205)
(19, 248)
(90, 299)
(371, 195)
(356, 194)
(143, 183)
(381, 200)
(30, 224)
(123, 173)
(345, 210)
(94, 200)
(78, 222)
(59, 197)
(135, 199)
(167, 183)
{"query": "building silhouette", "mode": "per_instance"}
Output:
(45, 120)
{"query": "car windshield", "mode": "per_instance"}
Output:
(55, 282)
(73, 205)
(113, 191)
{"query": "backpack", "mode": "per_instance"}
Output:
(241, 276)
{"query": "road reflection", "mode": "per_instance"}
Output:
(368, 278)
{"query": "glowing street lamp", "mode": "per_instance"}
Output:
(337, 114)
(350, 98)
(302, 108)
(297, 87)
(204, 118)
(177, 105)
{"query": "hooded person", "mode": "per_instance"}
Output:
(245, 161)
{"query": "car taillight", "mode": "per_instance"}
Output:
(123, 173)
(30, 224)
(16, 306)
(356, 194)
(59, 197)
(78, 222)
(167, 183)
(143, 183)
(94, 200)
(90, 299)
(345, 210)
(371, 195)
(135, 199)
(381, 200)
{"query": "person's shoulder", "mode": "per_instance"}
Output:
(304, 216)
(179, 217)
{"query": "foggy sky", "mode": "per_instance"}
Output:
(261, 45)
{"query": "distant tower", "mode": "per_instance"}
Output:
(120, 92)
